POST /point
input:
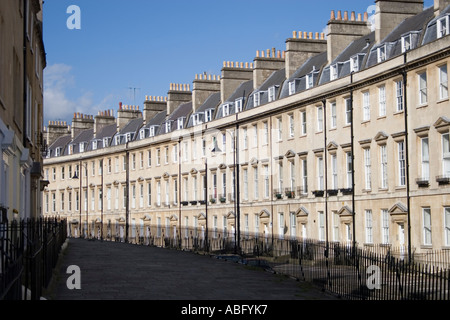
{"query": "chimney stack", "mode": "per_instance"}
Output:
(177, 95)
(81, 122)
(125, 114)
(301, 47)
(342, 31)
(152, 106)
(265, 64)
(55, 130)
(204, 85)
(233, 75)
(440, 5)
(390, 13)
(103, 119)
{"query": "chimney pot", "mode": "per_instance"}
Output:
(294, 34)
(352, 16)
(333, 16)
(345, 15)
(339, 15)
(366, 16)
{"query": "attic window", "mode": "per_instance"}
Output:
(152, 131)
(208, 115)
(58, 152)
(272, 93)
(309, 81)
(94, 144)
(180, 123)
(333, 72)
(82, 146)
(196, 119)
(142, 134)
(292, 87)
(443, 27)
(168, 126)
(354, 65)
(225, 110)
(238, 105)
(257, 99)
(406, 43)
(105, 142)
(381, 53)
(128, 137)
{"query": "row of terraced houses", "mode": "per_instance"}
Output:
(342, 136)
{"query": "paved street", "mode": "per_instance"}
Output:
(119, 271)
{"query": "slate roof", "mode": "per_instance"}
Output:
(276, 79)
(313, 64)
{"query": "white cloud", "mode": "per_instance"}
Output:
(58, 80)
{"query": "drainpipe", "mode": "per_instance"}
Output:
(179, 190)
(325, 156)
(352, 139)
(127, 209)
(238, 199)
(408, 198)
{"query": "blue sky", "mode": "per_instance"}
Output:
(147, 44)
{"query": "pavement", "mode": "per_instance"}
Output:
(101, 270)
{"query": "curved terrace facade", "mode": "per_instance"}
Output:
(340, 139)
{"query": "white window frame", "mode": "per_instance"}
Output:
(319, 113)
(383, 166)
(333, 123)
(401, 163)
(442, 26)
(443, 82)
(366, 106)
(425, 158)
(385, 217)
(369, 226)
(399, 103)
(406, 43)
(367, 169)
(272, 93)
(426, 225)
(446, 155)
(423, 94)
(304, 125)
(382, 101)
(381, 53)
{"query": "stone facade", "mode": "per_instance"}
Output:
(348, 145)
(22, 61)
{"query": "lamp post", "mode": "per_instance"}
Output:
(82, 165)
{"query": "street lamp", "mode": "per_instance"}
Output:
(81, 191)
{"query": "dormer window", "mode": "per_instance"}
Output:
(168, 126)
(152, 131)
(272, 93)
(354, 64)
(333, 72)
(443, 27)
(71, 149)
(142, 134)
(58, 152)
(225, 110)
(381, 53)
(256, 99)
(309, 81)
(197, 119)
(238, 105)
(208, 115)
(82, 146)
(117, 139)
(94, 144)
(406, 43)
(180, 123)
(128, 137)
(291, 87)
(105, 142)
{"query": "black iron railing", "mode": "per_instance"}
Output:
(29, 252)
